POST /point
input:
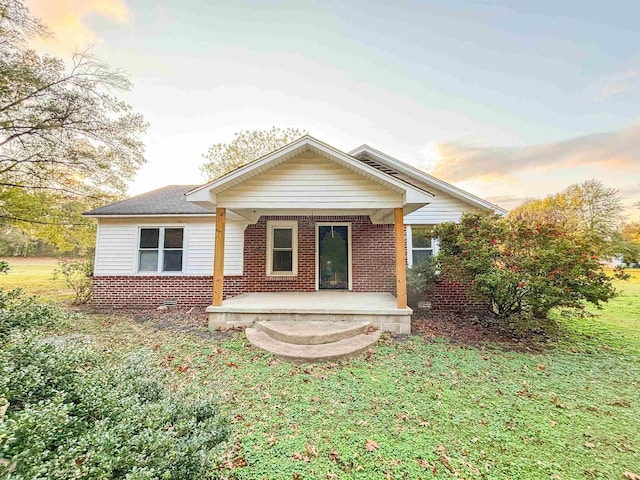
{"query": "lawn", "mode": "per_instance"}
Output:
(420, 407)
(35, 276)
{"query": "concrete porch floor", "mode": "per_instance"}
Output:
(379, 309)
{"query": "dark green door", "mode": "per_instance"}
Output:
(333, 257)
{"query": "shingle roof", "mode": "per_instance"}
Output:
(169, 200)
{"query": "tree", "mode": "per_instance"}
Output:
(246, 146)
(588, 208)
(64, 137)
(629, 242)
(522, 270)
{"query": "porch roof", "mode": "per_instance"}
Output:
(408, 195)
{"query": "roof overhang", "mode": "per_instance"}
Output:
(206, 195)
(429, 180)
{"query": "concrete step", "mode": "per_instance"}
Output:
(312, 353)
(310, 333)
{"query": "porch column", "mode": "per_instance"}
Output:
(218, 257)
(401, 258)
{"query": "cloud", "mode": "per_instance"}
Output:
(461, 160)
(616, 85)
(68, 21)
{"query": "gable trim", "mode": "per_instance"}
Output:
(424, 177)
(412, 194)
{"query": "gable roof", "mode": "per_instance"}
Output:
(169, 200)
(297, 147)
(396, 168)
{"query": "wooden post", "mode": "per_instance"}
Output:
(401, 258)
(218, 257)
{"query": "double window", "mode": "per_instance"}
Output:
(420, 244)
(161, 249)
(282, 248)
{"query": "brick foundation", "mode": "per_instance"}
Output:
(150, 291)
(453, 297)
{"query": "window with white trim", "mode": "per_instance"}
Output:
(161, 249)
(282, 248)
(421, 245)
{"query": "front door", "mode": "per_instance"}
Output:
(333, 257)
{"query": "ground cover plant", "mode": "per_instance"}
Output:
(70, 411)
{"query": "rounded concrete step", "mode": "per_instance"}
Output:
(312, 353)
(310, 332)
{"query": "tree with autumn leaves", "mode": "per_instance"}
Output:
(522, 270)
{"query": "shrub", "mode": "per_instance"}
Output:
(522, 271)
(77, 274)
(421, 280)
(4, 267)
(71, 412)
(20, 312)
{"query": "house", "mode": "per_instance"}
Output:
(307, 231)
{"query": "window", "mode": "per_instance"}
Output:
(161, 249)
(282, 248)
(421, 244)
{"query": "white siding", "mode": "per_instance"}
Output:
(443, 208)
(309, 181)
(117, 245)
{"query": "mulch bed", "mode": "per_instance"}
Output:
(470, 329)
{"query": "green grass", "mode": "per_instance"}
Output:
(34, 276)
(570, 412)
(617, 324)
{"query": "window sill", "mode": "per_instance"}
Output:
(281, 278)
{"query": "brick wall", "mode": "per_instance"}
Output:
(452, 297)
(150, 291)
(373, 263)
(373, 257)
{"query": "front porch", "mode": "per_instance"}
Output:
(378, 309)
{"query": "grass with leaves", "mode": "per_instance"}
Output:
(416, 408)
(419, 408)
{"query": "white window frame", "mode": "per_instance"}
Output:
(161, 250)
(293, 225)
(433, 248)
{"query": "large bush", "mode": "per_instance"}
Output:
(67, 411)
(519, 269)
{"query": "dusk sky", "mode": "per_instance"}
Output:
(505, 99)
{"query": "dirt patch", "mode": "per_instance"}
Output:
(185, 321)
(471, 330)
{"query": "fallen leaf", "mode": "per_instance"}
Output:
(272, 440)
(589, 445)
(80, 461)
(631, 476)
(370, 353)
(231, 365)
(423, 463)
(371, 446)
(333, 455)
(183, 368)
